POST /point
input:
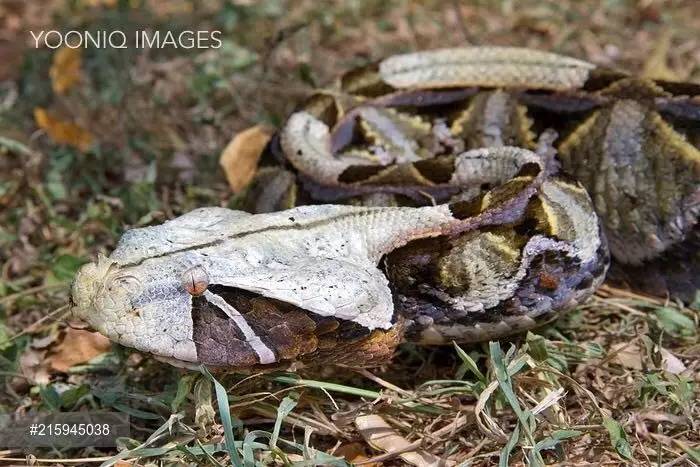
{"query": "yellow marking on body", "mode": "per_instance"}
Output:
(457, 127)
(362, 154)
(487, 199)
(576, 137)
(575, 187)
(402, 121)
(551, 217)
(485, 202)
(501, 244)
(672, 138)
(527, 136)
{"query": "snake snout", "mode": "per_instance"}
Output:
(83, 291)
(90, 281)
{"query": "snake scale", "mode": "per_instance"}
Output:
(448, 195)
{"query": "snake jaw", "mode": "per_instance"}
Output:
(82, 291)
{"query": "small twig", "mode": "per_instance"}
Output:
(475, 450)
(297, 420)
(676, 461)
(247, 378)
(12, 297)
(7, 452)
(32, 327)
(627, 308)
(629, 294)
(392, 387)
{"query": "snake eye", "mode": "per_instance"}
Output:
(195, 280)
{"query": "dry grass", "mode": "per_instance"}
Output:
(615, 382)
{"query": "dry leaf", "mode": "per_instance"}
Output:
(658, 416)
(640, 428)
(62, 132)
(551, 399)
(43, 342)
(34, 367)
(77, 347)
(380, 435)
(671, 363)
(627, 355)
(204, 414)
(65, 69)
(355, 453)
(240, 157)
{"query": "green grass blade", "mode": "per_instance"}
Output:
(285, 407)
(333, 387)
(618, 438)
(184, 387)
(225, 414)
(508, 448)
(674, 322)
(469, 363)
(249, 442)
(551, 442)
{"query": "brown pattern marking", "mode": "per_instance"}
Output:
(292, 333)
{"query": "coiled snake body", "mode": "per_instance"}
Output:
(473, 193)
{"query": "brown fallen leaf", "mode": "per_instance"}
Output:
(34, 367)
(380, 435)
(204, 414)
(240, 157)
(76, 347)
(658, 416)
(355, 453)
(62, 132)
(65, 69)
(629, 355)
(671, 363)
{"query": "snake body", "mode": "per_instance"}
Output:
(631, 142)
(472, 191)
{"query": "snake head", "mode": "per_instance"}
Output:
(133, 308)
(190, 321)
(185, 293)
